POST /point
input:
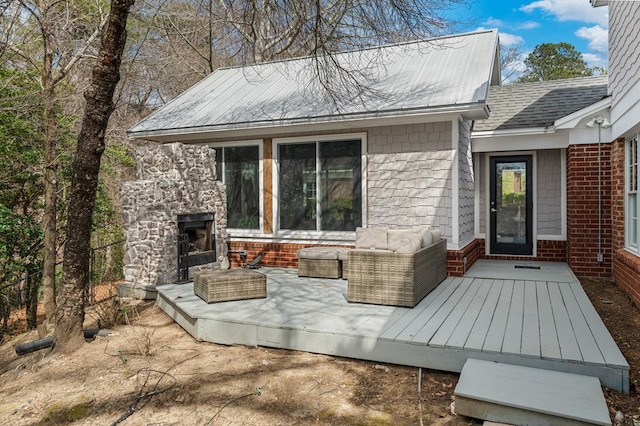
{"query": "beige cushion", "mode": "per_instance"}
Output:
(371, 238)
(436, 235)
(427, 239)
(319, 253)
(394, 236)
(410, 244)
(343, 253)
(366, 251)
(422, 233)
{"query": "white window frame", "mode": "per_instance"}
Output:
(260, 145)
(314, 234)
(628, 190)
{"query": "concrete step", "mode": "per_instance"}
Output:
(518, 395)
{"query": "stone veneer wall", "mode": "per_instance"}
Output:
(172, 179)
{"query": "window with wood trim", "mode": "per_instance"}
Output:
(632, 201)
(238, 167)
(320, 185)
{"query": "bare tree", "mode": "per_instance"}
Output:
(51, 37)
(511, 62)
(68, 335)
(187, 39)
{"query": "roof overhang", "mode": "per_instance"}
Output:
(568, 130)
(316, 124)
(598, 3)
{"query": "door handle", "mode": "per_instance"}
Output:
(494, 210)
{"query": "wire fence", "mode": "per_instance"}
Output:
(21, 304)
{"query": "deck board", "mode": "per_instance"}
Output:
(569, 349)
(495, 319)
(589, 350)
(512, 341)
(497, 328)
(438, 328)
(459, 336)
(478, 335)
(549, 346)
(606, 344)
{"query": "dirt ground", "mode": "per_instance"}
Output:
(151, 372)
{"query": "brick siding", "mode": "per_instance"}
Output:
(582, 210)
(626, 265)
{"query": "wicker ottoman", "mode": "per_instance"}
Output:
(318, 262)
(223, 285)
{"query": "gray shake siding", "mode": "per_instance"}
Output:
(624, 39)
(549, 192)
(466, 186)
(409, 176)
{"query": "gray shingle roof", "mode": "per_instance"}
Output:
(539, 104)
(448, 73)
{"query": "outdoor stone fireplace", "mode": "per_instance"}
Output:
(174, 214)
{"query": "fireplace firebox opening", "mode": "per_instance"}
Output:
(196, 242)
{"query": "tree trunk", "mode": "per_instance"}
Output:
(50, 210)
(50, 222)
(68, 334)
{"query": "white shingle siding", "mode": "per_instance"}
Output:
(466, 185)
(409, 176)
(549, 191)
(624, 54)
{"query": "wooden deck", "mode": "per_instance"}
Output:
(518, 316)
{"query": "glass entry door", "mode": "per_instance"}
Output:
(511, 205)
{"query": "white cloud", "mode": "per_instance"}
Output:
(529, 25)
(507, 39)
(595, 60)
(596, 36)
(493, 22)
(570, 10)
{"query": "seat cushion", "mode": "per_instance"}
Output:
(319, 253)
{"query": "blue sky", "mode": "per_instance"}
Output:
(530, 23)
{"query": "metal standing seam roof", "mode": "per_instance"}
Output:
(451, 72)
(539, 104)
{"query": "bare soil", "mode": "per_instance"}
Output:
(151, 372)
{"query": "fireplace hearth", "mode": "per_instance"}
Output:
(174, 215)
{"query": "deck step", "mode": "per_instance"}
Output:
(520, 395)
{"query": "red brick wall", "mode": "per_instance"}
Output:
(546, 251)
(281, 255)
(455, 258)
(626, 266)
(582, 210)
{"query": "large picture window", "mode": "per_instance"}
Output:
(320, 185)
(239, 169)
(633, 203)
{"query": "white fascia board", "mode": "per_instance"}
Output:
(248, 130)
(572, 120)
(519, 141)
(598, 3)
(625, 113)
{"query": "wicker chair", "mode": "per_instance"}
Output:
(388, 278)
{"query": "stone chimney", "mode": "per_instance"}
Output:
(172, 180)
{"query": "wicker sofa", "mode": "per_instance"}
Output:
(393, 276)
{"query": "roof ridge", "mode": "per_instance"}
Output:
(365, 49)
